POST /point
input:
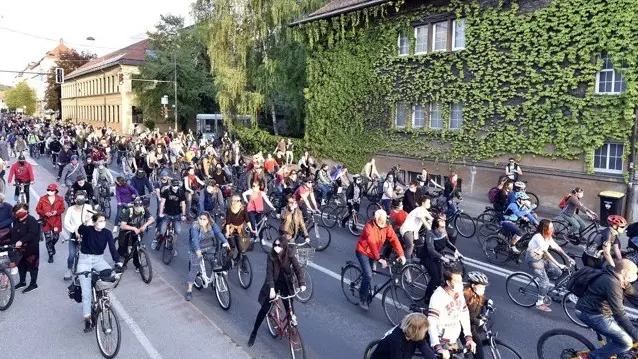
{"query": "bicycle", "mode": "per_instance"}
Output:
(456, 351)
(332, 215)
(103, 317)
(571, 345)
(242, 263)
(281, 326)
(459, 220)
(320, 236)
(104, 198)
(415, 277)
(22, 195)
(136, 250)
(166, 241)
(395, 299)
(76, 257)
(585, 235)
(212, 271)
(7, 287)
(304, 256)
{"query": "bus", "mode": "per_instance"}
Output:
(212, 125)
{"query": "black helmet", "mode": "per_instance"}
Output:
(138, 201)
(176, 182)
(21, 157)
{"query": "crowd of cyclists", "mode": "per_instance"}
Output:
(223, 194)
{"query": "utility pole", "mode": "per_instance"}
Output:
(629, 212)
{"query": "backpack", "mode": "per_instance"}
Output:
(492, 193)
(580, 280)
(563, 201)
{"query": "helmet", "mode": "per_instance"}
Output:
(164, 173)
(176, 182)
(521, 195)
(478, 278)
(138, 201)
(615, 220)
(520, 185)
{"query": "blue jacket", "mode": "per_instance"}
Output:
(140, 184)
(6, 217)
(197, 237)
(210, 202)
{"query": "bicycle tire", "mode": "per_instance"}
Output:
(465, 225)
(3, 184)
(107, 208)
(320, 237)
(244, 267)
(223, 296)
(372, 207)
(529, 290)
(355, 224)
(297, 349)
(367, 353)
(533, 199)
(572, 353)
(306, 295)
(396, 303)
(143, 257)
(561, 231)
(268, 238)
(167, 253)
(328, 216)
(5, 275)
(351, 277)
(569, 303)
(273, 318)
(496, 249)
(100, 328)
(418, 282)
(495, 353)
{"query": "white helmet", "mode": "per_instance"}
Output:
(478, 278)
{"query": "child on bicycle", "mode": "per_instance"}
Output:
(513, 213)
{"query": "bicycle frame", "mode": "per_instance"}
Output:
(206, 280)
(289, 320)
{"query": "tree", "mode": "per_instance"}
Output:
(69, 61)
(20, 96)
(175, 47)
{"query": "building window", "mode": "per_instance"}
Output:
(436, 117)
(458, 34)
(421, 36)
(608, 158)
(608, 80)
(401, 115)
(456, 118)
(418, 116)
(403, 43)
(439, 31)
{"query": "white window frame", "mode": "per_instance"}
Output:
(613, 78)
(607, 169)
(454, 47)
(432, 117)
(414, 125)
(452, 116)
(434, 49)
(396, 114)
(399, 45)
(416, 37)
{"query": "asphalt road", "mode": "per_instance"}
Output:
(158, 323)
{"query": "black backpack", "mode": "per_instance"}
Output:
(579, 282)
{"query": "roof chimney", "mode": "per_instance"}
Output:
(61, 41)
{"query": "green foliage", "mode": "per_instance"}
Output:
(69, 61)
(150, 124)
(20, 96)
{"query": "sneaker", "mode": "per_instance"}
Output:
(20, 285)
(583, 356)
(515, 250)
(188, 296)
(364, 306)
(174, 252)
(543, 307)
(50, 259)
(88, 326)
(30, 288)
(251, 340)
(137, 270)
(67, 274)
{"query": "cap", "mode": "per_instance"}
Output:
(21, 158)
(52, 187)
(74, 158)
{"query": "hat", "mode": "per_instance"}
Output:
(21, 158)
(74, 158)
(52, 187)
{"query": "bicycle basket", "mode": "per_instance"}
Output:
(243, 243)
(222, 261)
(304, 255)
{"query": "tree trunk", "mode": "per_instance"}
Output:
(274, 119)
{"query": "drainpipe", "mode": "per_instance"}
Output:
(629, 212)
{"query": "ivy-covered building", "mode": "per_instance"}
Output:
(466, 84)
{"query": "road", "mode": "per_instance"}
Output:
(158, 323)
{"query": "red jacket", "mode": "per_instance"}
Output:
(373, 237)
(22, 173)
(45, 206)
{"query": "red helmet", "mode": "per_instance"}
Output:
(615, 220)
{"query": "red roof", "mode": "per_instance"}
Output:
(55, 53)
(131, 55)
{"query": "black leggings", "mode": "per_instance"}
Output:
(265, 308)
(435, 270)
(123, 241)
(29, 263)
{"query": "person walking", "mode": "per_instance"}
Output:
(25, 234)
(50, 209)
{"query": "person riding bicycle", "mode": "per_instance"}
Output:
(514, 212)
(201, 237)
(50, 209)
(192, 183)
(603, 310)
(324, 184)
(569, 212)
(431, 255)
(95, 239)
(375, 233)
(501, 200)
(412, 197)
(476, 301)
(292, 220)
(102, 181)
(542, 263)
(134, 220)
(518, 187)
(402, 341)
(353, 198)
(72, 172)
(64, 158)
(173, 207)
(305, 196)
(81, 185)
(89, 168)
(605, 247)
(236, 218)
(141, 183)
(255, 206)
(211, 200)
(418, 217)
(124, 193)
(23, 173)
(281, 265)
(54, 147)
(448, 314)
(220, 176)
(388, 194)
(452, 192)
(397, 214)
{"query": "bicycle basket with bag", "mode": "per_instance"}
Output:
(222, 261)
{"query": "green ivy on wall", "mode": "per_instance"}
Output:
(526, 82)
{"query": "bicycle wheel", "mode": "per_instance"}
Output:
(533, 198)
(372, 207)
(320, 237)
(274, 318)
(146, 269)
(167, 251)
(305, 296)
(522, 289)
(367, 354)
(500, 350)
(559, 258)
(414, 280)
(355, 225)
(486, 230)
(561, 231)
(107, 332)
(562, 343)
(396, 303)
(496, 249)
(222, 291)
(569, 307)
(269, 234)
(329, 215)
(3, 184)
(465, 225)
(297, 350)
(351, 282)
(7, 290)
(244, 271)
(107, 208)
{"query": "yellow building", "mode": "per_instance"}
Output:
(99, 92)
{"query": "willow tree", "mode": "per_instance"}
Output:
(257, 64)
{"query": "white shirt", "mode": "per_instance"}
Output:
(447, 313)
(73, 219)
(388, 190)
(538, 245)
(415, 219)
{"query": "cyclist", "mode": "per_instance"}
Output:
(95, 238)
(569, 212)
(305, 196)
(54, 147)
(402, 341)
(281, 265)
(6, 217)
(255, 206)
(236, 218)
(323, 183)
(50, 209)
(81, 185)
(292, 220)
(102, 181)
(32, 140)
(257, 175)
(412, 197)
(219, 175)
(135, 220)
(200, 236)
(64, 158)
(173, 207)
(191, 185)
(417, 218)
(512, 214)
(23, 173)
(388, 192)
(448, 314)
(599, 251)
(541, 261)
(451, 192)
(141, 183)
(25, 234)
(518, 187)
(212, 201)
(375, 233)
(353, 198)
(72, 171)
(436, 240)
(89, 167)
(476, 301)
(603, 310)
(124, 193)
(398, 215)
(501, 200)
(369, 171)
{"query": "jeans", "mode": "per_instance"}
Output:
(386, 203)
(177, 224)
(325, 189)
(451, 208)
(86, 263)
(576, 223)
(32, 149)
(618, 341)
(542, 269)
(73, 247)
(366, 267)
(408, 242)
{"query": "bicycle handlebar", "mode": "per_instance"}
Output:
(278, 296)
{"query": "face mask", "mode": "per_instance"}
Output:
(413, 190)
(480, 291)
(621, 230)
(100, 225)
(80, 200)
(277, 249)
(174, 188)
(139, 209)
(80, 183)
(101, 166)
(51, 193)
(309, 185)
(191, 172)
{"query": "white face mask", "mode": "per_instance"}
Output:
(51, 193)
(101, 166)
(457, 287)
(100, 225)
(479, 291)
(175, 188)
(277, 249)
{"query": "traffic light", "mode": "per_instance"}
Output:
(59, 75)
(120, 77)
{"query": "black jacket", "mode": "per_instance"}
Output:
(273, 268)
(605, 295)
(350, 191)
(451, 192)
(394, 345)
(411, 199)
(28, 232)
